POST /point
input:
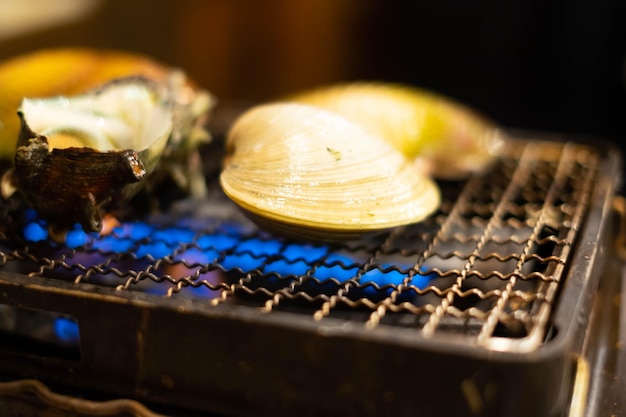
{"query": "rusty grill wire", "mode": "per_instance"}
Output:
(486, 267)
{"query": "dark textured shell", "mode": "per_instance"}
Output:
(74, 184)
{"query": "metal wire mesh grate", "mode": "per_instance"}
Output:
(486, 267)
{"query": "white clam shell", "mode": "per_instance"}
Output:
(308, 172)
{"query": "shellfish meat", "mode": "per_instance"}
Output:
(446, 138)
(306, 172)
(79, 157)
(65, 71)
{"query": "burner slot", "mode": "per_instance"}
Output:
(39, 332)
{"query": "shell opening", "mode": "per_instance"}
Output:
(125, 115)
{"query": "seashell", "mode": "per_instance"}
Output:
(446, 138)
(67, 72)
(80, 156)
(305, 172)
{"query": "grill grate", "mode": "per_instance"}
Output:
(486, 268)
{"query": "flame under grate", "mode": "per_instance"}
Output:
(487, 266)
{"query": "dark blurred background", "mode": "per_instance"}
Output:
(547, 65)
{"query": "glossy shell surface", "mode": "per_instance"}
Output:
(63, 72)
(306, 172)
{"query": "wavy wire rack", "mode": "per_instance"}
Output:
(487, 266)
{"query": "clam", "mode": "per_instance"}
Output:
(446, 138)
(306, 172)
(79, 157)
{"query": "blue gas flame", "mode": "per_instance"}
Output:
(66, 330)
(269, 262)
(232, 251)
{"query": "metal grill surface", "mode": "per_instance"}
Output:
(486, 268)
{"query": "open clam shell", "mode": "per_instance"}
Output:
(445, 138)
(78, 157)
(306, 172)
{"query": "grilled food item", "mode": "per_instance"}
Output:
(67, 72)
(446, 138)
(306, 172)
(94, 128)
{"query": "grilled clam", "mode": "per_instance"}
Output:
(305, 172)
(79, 157)
(446, 138)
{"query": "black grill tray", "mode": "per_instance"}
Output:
(487, 319)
